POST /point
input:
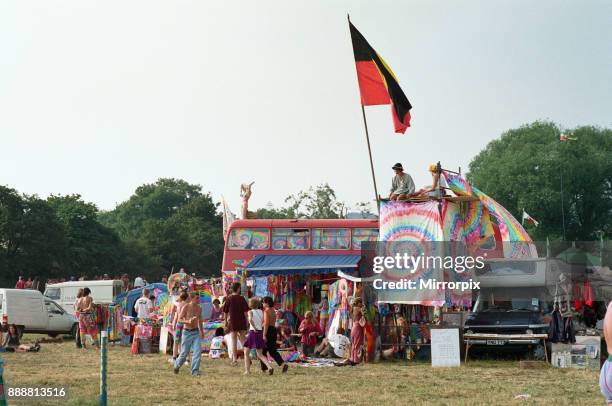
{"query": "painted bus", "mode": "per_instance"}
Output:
(248, 238)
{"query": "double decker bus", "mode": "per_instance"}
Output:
(315, 237)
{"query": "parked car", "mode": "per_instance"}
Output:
(31, 312)
(103, 292)
(516, 317)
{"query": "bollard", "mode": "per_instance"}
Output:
(103, 345)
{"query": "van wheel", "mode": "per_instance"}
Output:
(75, 330)
(20, 330)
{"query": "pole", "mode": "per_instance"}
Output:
(367, 134)
(103, 342)
(3, 401)
(365, 126)
(562, 208)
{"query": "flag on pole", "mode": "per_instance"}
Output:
(564, 137)
(530, 220)
(377, 83)
(228, 217)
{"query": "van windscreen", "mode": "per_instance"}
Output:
(53, 293)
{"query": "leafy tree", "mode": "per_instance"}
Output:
(523, 170)
(31, 238)
(92, 249)
(173, 224)
(317, 202)
(159, 201)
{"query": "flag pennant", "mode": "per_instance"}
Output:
(228, 218)
(530, 220)
(564, 137)
(377, 83)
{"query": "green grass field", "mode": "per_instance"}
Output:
(149, 380)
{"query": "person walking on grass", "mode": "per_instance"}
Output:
(191, 317)
(181, 301)
(87, 318)
(235, 308)
(255, 338)
(270, 335)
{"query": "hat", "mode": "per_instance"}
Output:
(397, 166)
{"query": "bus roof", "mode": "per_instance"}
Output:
(304, 223)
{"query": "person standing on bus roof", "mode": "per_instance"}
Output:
(402, 185)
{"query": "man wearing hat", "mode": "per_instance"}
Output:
(402, 185)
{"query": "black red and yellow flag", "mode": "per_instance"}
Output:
(377, 83)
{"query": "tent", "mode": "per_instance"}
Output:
(131, 296)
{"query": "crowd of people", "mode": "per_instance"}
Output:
(254, 326)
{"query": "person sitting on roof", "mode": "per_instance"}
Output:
(402, 185)
(438, 184)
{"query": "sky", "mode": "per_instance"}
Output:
(97, 98)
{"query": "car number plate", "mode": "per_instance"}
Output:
(496, 342)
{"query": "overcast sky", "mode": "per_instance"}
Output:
(98, 98)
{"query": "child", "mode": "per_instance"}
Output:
(284, 336)
(255, 339)
(217, 344)
(310, 330)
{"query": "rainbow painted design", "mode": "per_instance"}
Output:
(330, 238)
(509, 228)
(408, 228)
(249, 238)
(401, 221)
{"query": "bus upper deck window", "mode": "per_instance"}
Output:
(361, 235)
(290, 238)
(249, 239)
(331, 238)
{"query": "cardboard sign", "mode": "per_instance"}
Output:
(445, 351)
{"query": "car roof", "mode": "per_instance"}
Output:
(85, 283)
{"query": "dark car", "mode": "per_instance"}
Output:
(506, 326)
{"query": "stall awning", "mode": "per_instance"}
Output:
(301, 264)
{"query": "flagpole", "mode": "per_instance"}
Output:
(367, 134)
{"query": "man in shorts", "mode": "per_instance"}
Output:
(605, 376)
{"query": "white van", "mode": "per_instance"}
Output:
(102, 292)
(31, 312)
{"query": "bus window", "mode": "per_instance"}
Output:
(331, 238)
(290, 239)
(249, 239)
(362, 235)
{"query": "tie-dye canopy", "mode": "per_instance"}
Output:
(469, 222)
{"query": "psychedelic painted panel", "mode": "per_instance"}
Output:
(249, 239)
(290, 239)
(331, 238)
(361, 235)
